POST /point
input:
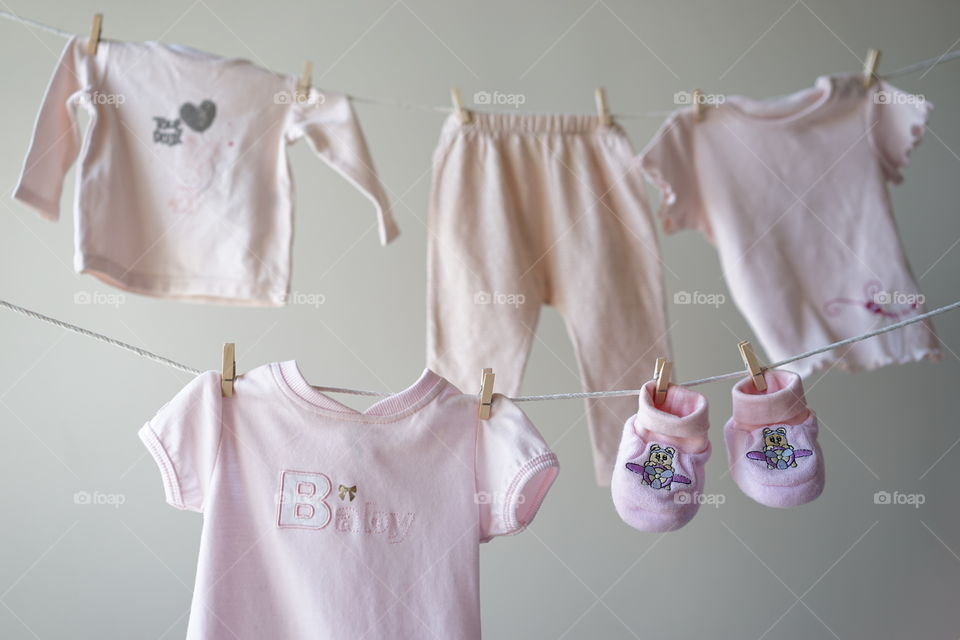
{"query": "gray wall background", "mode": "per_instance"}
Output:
(841, 567)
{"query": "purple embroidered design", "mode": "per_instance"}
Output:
(877, 301)
(658, 471)
(888, 306)
(777, 452)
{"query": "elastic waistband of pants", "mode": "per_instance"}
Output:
(529, 123)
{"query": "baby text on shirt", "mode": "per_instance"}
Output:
(304, 504)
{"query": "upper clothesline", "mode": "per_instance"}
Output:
(595, 394)
(411, 106)
(551, 396)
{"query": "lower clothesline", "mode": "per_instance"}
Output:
(400, 104)
(551, 396)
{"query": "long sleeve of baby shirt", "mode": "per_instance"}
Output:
(183, 188)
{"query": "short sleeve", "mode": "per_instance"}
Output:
(183, 438)
(515, 468)
(668, 163)
(328, 122)
(897, 125)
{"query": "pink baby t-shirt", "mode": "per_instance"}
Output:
(793, 192)
(183, 188)
(320, 521)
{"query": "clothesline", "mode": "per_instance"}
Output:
(411, 106)
(918, 66)
(551, 396)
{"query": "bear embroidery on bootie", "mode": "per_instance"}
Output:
(658, 471)
(772, 443)
(777, 451)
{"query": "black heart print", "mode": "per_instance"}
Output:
(198, 118)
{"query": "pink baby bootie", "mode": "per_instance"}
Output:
(658, 477)
(772, 442)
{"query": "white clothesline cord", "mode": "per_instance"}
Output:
(98, 336)
(917, 66)
(744, 372)
(9, 15)
(922, 65)
(552, 396)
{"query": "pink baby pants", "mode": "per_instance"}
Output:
(528, 210)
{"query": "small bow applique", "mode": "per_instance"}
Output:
(345, 491)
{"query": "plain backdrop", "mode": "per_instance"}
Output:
(840, 567)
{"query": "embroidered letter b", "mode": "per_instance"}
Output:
(303, 500)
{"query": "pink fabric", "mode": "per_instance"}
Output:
(320, 521)
(682, 414)
(782, 401)
(184, 188)
(658, 476)
(793, 192)
(772, 445)
(533, 210)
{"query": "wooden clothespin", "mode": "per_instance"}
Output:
(486, 393)
(461, 111)
(303, 85)
(697, 99)
(753, 365)
(870, 67)
(603, 111)
(661, 376)
(95, 30)
(657, 367)
(229, 370)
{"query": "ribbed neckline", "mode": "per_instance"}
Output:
(389, 409)
(754, 110)
(175, 50)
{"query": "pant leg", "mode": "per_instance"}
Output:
(606, 280)
(484, 285)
